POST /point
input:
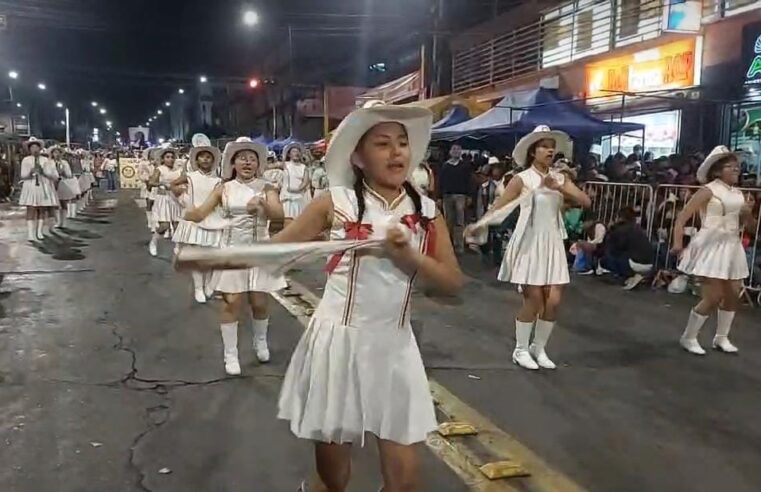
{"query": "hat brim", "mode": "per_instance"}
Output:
(416, 120)
(161, 152)
(197, 150)
(234, 147)
(29, 143)
(562, 144)
(707, 164)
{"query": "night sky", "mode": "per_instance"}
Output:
(132, 54)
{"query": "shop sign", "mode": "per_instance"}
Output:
(752, 54)
(669, 66)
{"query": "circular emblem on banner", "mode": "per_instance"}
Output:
(128, 172)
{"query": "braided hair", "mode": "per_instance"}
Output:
(359, 193)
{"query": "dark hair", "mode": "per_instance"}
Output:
(627, 214)
(717, 166)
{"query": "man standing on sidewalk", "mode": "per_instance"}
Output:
(109, 166)
(455, 185)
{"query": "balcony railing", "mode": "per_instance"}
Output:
(716, 9)
(564, 34)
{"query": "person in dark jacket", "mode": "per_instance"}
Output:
(628, 251)
(456, 185)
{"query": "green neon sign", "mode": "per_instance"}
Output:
(754, 71)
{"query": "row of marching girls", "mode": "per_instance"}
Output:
(50, 190)
(357, 368)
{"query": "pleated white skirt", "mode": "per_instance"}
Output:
(714, 253)
(293, 207)
(246, 280)
(538, 258)
(191, 233)
(343, 382)
(42, 194)
(68, 189)
(167, 209)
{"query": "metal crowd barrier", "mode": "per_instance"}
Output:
(656, 213)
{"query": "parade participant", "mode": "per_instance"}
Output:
(167, 210)
(715, 253)
(247, 201)
(38, 193)
(535, 257)
(358, 368)
(86, 180)
(110, 167)
(273, 172)
(68, 187)
(319, 178)
(295, 182)
(422, 177)
(200, 182)
(145, 170)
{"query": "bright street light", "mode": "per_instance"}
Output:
(181, 91)
(103, 111)
(203, 79)
(63, 122)
(250, 18)
(253, 83)
(159, 112)
(94, 104)
(41, 86)
(18, 105)
(13, 74)
(23, 117)
(109, 123)
(167, 104)
(59, 105)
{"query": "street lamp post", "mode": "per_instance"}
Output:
(68, 129)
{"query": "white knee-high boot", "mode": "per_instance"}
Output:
(208, 287)
(689, 339)
(521, 355)
(198, 287)
(40, 228)
(230, 343)
(60, 217)
(72, 209)
(542, 334)
(149, 220)
(31, 229)
(259, 328)
(723, 325)
(153, 246)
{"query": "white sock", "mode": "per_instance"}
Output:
(31, 229)
(197, 280)
(40, 227)
(230, 337)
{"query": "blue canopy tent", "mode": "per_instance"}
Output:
(520, 112)
(278, 145)
(261, 139)
(455, 115)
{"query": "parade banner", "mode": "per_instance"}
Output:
(128, 174)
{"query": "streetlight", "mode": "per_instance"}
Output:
(167, 104)
(13, 74)
(94, 104)
(181, 91)
(109, 123)
(159, 112)
(18, 105)
(59, 105)
(253, 83)
(41, 86)
(250, 18)
(203, 79)
(103, 111)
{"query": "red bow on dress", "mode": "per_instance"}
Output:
(354, 230)
(412, 220)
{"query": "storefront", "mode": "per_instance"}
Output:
(649, 87)
(746, 122)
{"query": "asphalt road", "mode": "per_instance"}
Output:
(110, 373)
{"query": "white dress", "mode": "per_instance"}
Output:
(716, 250)
(244, 230)
(86, 179)
(144, 171)
(319, 181)
(294, 201)
(357, 367)
(535, 254)
(167, 208)
(207, 233)
(68, 187)
(39, 188)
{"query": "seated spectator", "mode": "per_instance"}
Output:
(588, 251)
(628, 251)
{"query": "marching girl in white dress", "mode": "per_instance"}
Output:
(319, 179)
(295, 182)
(38, 192)
(358, 368)
(144, 173)
(200, 182)
(246, 202)
(86, 180)
(68, 187)
(167, 210)
(535, 257)
(715, 253)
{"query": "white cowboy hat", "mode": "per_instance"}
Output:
(541, 132)
(53, 148)
(297, 145)
(416, 120)
(34, 141)
(242, 143)
(493, 160)
(705, 167)
(165, 150)
(197, 150)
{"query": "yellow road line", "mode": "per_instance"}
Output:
(453, 452)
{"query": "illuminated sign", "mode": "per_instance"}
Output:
(753, 75)
(670, 66)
